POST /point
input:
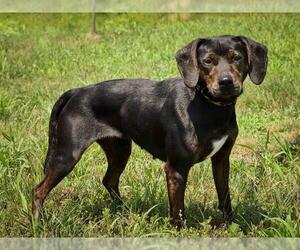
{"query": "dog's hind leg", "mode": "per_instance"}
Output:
(117, 152)
(70, 143)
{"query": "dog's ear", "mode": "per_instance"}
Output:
(187, 63)
(257, 59)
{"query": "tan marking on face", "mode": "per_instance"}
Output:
(211, 79)
(213, 56)
(231, 53)
(236, 75)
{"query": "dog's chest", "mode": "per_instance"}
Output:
(216, 145)
(210, 147)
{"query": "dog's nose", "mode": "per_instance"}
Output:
(225, 80)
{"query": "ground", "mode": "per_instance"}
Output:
(43, 55)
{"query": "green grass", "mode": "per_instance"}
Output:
(43, 55)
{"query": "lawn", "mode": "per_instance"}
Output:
(43, 55)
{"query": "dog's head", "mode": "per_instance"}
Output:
(221, 64)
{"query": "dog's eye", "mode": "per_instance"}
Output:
(236, 58)
(207, 61)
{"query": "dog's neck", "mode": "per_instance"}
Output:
(202, 90)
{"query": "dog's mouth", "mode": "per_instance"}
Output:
(221, 98)
(225, 94)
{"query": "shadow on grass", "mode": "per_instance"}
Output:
(246, 214)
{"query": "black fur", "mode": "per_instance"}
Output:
(176, 120)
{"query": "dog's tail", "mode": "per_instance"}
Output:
(56, 110)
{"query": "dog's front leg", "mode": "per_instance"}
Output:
(176, 183)
(221, 166)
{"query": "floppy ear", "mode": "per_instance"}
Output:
(187, 63)
(257, 59)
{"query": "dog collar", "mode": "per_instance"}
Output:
(217, 103)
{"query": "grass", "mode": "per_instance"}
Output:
(43, 55)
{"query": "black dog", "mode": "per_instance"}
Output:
(180, 121)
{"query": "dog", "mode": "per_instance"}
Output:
(181, 121)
